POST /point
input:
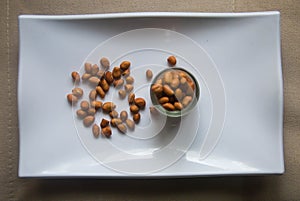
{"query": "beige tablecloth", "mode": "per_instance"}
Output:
(284, 187)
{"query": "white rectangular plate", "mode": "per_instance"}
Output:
(240, 134)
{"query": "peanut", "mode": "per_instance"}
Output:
(129, 80)
(95, 69)
(149, 74)
(136, 117)
(96, 130)
(178, 106)
(88, 120)
(78, 92)
(128, 88)
(88, 67)
(100, 91)
(91, 111)
(104, 85)
(106, 131)
(168, 77)
(104, 123)
(72, 99)
(86, 76)
(123, 115)
(175, 83)
(96, 104)
(122, 94)
(76, 77)
(172, 60)
(178, 94)
(114, 114)
(157, 88)
(126, 73)
(93, 94)
(100, 74)
(140, 102)
(108, 77)
(169, 106)
(186, 100)
(125, 65)
(108, 107)
(104, 63)
(115, 121)
(130, 124)
(94, 81)
(167, 89)
(134, 109)
(163, 100)
(122, 128)
(81, 114)
(131, 98)
(118, 83)
(116, 73)
(84, 105)
(159, 81)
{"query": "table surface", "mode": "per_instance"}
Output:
(269, 187)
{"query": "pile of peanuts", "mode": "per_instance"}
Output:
(101, 79)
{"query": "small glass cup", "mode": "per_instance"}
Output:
(165, 77)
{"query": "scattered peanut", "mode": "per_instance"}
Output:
(122, 128)
(149, 74)
(123, 115)
(81, 114)
(78, 92)
(136, 117)
(131, 98)
(172, 60)
(130, 124)
(118, 83)
(84, 105)
(94, 81)
(115, 121)
(125, 65)
(104, 63)
(106, 131)
(107, 107)
(96, 130)
(114, 114)
(108, 77)
(100, 91)
(140, 102)
(95, 69)
(116, 73)
(91, 111)
(104, 123)
(88, 120)
(122, 94)
(93, 94)
(96, 104)
(128, 88)
(126, 73)
(86, 76)
(72, 99)
(88, 67)
(100, 74)
(76, 77)
(134, 109)
(129, 80)
(104, 85)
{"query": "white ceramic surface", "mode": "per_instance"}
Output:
(236, 128)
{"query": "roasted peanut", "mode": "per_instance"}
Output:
(104, 123)
(159, 81)
(96, 130)
(178, 94)
(91, 111)
(169, 106)
(167, 89)
(86, 76)
(84, 105)
(116, 73)
(93, 94)
(129, 80)
(149, 74)
(121, 127)
(94, 81)
(108, 77)
(136, 117)
(114, 114)
(134, 109)
(100, 74)
(108, 107)
(163, 100)
(122, 94)
(126, 73)
(168, 77)
(88, 120)
(88, 67)
(72, 99)
(118, 83)
(178, 106)
(115, 121)
(104, 63)
(175, 83)
(128, 88)
(123, 115)
(104, 85)
(172, 60)
(76, 77)
(78, 92)
(140, 102)
(186, 100)
(95, 69)
(81, 114)
(131, 98)
(106, 131)
(96, 104)
(100, 91)
(125, 65)
(130, 124)
(157, 88)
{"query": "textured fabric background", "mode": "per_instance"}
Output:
(285, 187)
